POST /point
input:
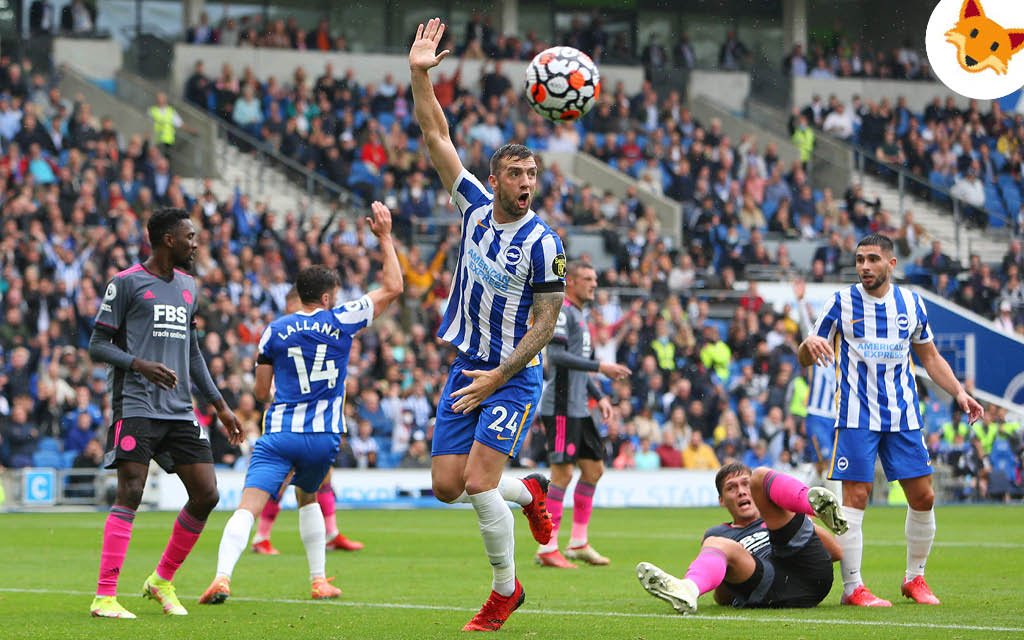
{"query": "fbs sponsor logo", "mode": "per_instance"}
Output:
(974, 46)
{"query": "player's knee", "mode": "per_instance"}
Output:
(725, 545)
(129, 493)
(447, 492)
(923, 501)
(757, 478)
(206, 500)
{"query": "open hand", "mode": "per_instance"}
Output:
(380, 223)
(422, 54)
(471, 396)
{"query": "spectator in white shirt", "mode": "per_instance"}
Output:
(839, 123)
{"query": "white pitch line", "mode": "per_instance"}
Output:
(605, 614)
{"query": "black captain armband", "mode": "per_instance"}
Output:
(262, 359)
(549, 287)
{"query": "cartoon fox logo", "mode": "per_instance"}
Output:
(982, 43)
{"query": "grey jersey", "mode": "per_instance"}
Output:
(151, 320)
(570, 359)
(754, 537)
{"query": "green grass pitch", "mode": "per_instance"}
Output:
(423, 575)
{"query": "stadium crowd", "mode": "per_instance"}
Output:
(976, 155)
(705, 389)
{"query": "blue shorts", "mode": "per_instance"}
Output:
(903, 455)
(275, 455)
(820, 435)
(500, 422)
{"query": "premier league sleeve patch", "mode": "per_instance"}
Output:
(558, 265)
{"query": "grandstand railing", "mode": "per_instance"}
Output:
(909, 184)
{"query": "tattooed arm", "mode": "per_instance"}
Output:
(545, 313)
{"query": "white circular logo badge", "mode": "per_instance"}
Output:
(111, 292)
(842, 463)
(903, 322)
(976, 47)
(513, 255)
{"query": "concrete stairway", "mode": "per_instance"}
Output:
(938, 221)
(264, 182)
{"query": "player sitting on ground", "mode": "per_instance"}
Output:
(770, 555)
(324, 495)
(307, 354)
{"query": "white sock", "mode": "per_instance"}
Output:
(233, 541)
(462, 499)
(920, 530)
(314, 538)
(835, 486)
(852, 543)
(496, 528)
(514, 490)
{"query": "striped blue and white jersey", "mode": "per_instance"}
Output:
(309, 353)
(500, 268)
(872, 339)
(821, 400)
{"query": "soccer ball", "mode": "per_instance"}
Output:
(562, 84)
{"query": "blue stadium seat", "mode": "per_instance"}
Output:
(68, 459)
(44, 458)
(52, 445)
(386, 119)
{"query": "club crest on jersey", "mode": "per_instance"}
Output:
(111, 292)
(513, 256)
(558, 265)
(903, 322)
(186, 295)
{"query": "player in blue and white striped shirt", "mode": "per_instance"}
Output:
(306, 355)
(867, 331)
(505, 298)
(820, 423)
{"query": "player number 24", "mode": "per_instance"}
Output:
(500, 424)
(323, 369)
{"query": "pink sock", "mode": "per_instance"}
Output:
(555, 505)
(708, 569)
(117, 533)
(267, 518)
(325, 496)
(183, 537)
(787, 492)
(582, 506)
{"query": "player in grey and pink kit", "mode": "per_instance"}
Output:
(572, 436)
(145, 332)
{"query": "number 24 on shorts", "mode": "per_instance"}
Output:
(503, 422)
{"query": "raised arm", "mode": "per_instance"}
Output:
(391, 283)
(429, 114)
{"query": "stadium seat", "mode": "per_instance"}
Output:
(44, 458)
(68, 459)
(52, 445)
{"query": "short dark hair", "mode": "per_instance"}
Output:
(509, 151)
(163, 222)
(876, 240)
(314, 282)
(576, 266)
(728, 470)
